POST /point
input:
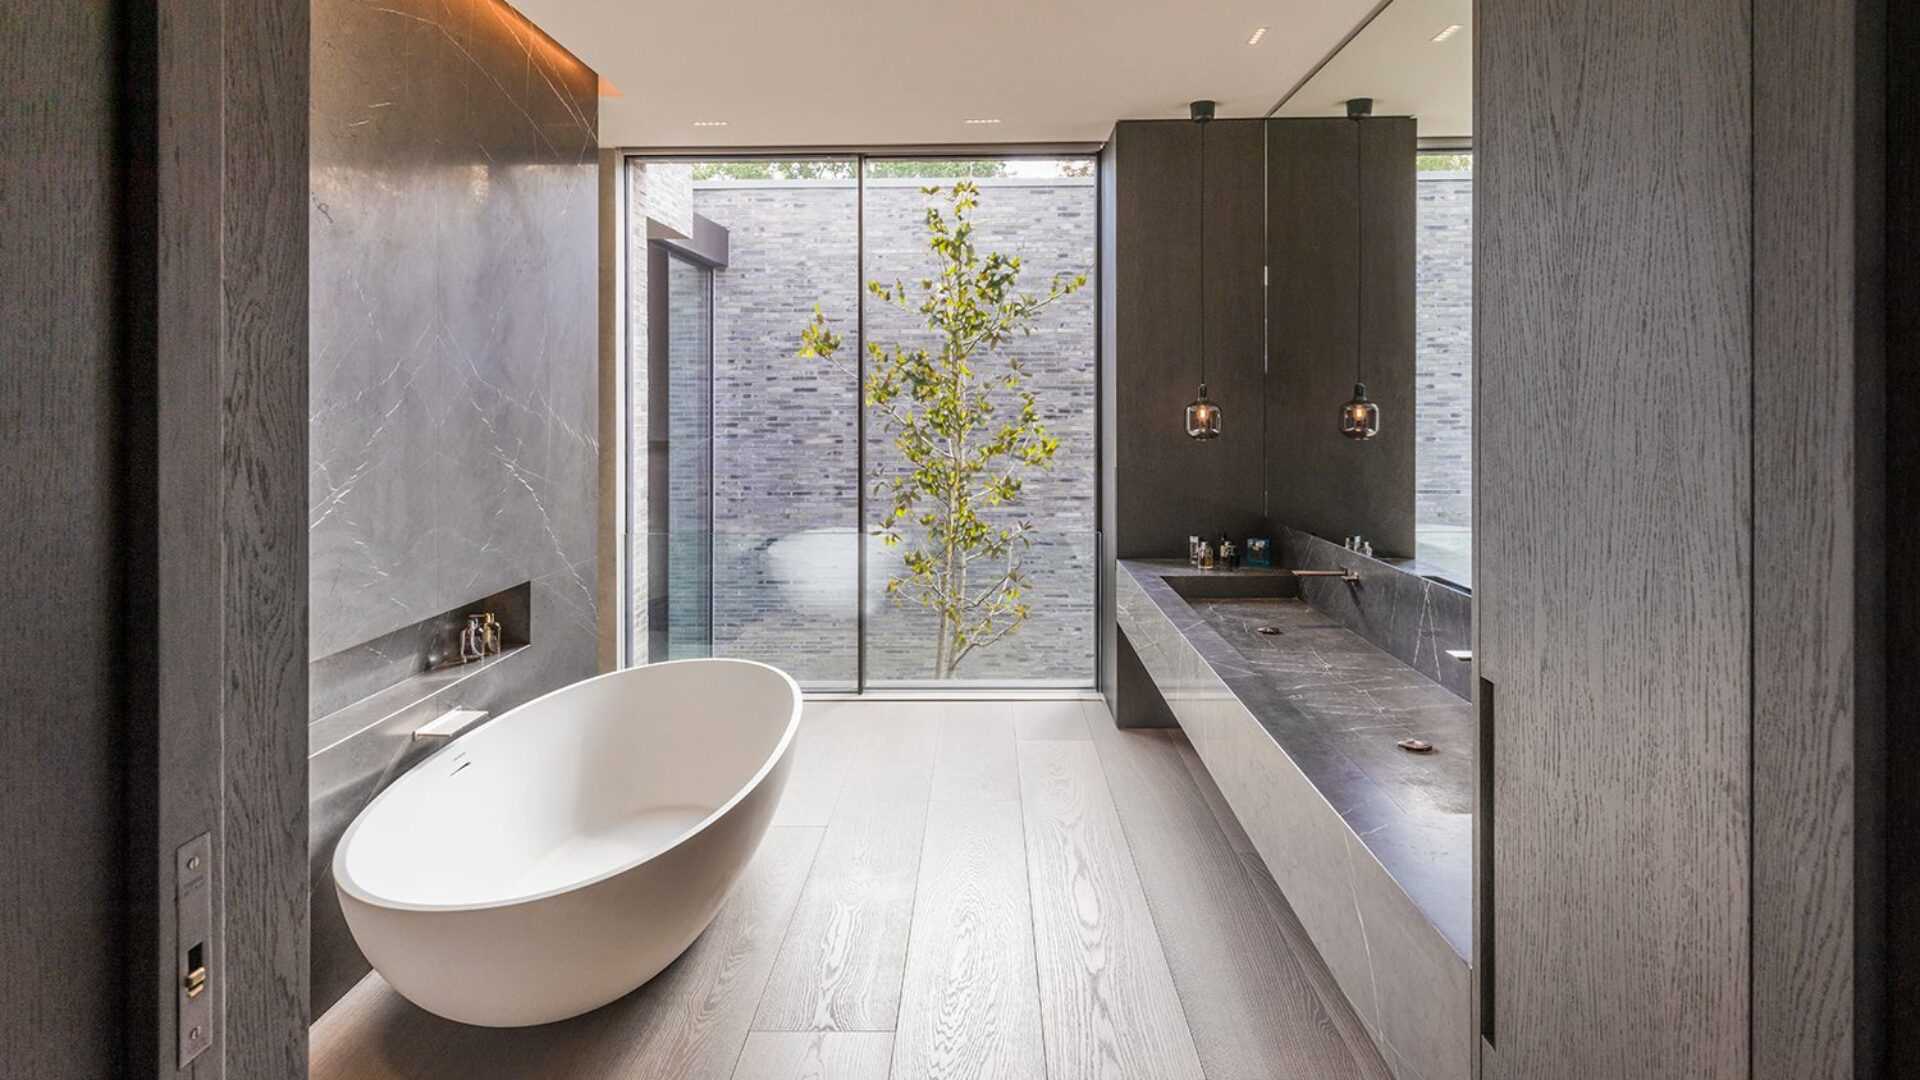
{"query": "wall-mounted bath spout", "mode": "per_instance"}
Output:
(1348, 576)
(448, 724)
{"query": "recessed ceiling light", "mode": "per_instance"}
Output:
(1447, 33)
(1258, 33)
(709, 123)
(982, 120)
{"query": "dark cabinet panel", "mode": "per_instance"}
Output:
(1613, 507)
(1168, 486)
(1339, 276)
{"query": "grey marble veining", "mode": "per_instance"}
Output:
(1394, 606)
(453, 288)
(453, 383)
(1372, 846)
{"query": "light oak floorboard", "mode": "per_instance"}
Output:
(841, 964)
(975, 760)
(1107, 1001)
(1255, 1015)
(970, 1007)
(689, 1023)
(828, 730)
(1051, 720)
(815, 1055)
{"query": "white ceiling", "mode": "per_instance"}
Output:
(1396, 62)
(869, 72)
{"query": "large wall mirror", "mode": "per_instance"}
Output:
(1415, 58)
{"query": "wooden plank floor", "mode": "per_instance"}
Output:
(978, 890)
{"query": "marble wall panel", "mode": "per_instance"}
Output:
(453, 361)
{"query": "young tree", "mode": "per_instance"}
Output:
(967, 429)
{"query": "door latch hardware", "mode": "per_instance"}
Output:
(193, 945)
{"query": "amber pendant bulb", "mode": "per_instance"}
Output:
(1359, 417)
(1203, 417)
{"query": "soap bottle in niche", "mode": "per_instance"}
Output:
(1229, 555)
(1193, 551)
(1206, 555)
(473, 639)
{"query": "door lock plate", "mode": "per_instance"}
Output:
(193, 944)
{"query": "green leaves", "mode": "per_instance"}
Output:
(958, 455)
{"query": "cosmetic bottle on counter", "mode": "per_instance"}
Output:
(1229, 555)
(1193, 551)
(1206, 555)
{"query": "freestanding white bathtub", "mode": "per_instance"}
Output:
(561, 855)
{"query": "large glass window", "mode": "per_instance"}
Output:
(1443, 365)
(774, 467)
(1018, 612)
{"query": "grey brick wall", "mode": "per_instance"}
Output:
(1443, 365)
(784, 574)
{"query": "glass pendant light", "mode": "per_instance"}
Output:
(1359, 417)
(1203, 416)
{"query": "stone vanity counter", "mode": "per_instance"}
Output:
(1372, 845)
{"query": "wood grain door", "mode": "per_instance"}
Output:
(1613, 549)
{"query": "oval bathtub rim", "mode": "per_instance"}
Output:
(344, 881)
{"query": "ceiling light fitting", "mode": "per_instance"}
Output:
(709, 123)
(1447, 33)
(1258, 33)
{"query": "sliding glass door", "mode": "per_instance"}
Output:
(687, 496)
(939, 532)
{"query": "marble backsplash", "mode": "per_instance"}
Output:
(1414, 618)
(453, 372)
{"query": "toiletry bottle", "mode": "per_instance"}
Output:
(473, 643)
(1229, 554)
(1193, 551)
(1206, 555)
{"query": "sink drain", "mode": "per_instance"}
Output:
(1267, 631)
(1415, 746)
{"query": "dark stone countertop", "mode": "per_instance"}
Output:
(1337, 705)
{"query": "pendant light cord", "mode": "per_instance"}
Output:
(1359, 244)
(1203, 253)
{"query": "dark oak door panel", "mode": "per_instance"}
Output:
(1613, 507)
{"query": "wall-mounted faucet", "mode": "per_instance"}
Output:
(1348, 576)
